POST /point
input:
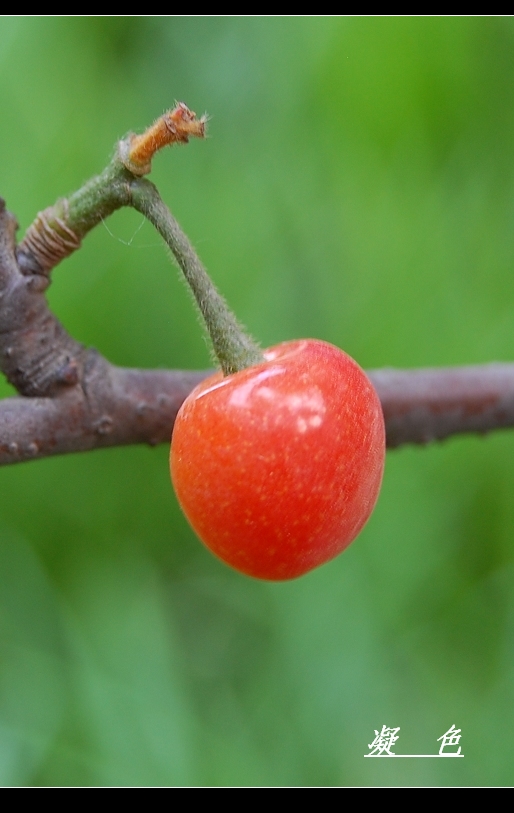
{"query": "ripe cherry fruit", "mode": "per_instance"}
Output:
(278, 466)
(277, 460)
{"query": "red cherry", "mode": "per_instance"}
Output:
(279, 466)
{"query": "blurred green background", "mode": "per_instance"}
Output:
(357, 186)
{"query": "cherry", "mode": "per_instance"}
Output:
(278, 466)
(277, 459)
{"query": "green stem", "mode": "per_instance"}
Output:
(98, 198)
(115, 187)
(233, 348)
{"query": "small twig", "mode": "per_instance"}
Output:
(49, 239)
(58, 230)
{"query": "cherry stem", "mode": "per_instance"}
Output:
(233, 348)
(58, 230)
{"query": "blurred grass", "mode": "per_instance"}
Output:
(357, 186)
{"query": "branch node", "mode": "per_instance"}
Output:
(48, 240)
(36, 283)
(104, 425)
(68, 374)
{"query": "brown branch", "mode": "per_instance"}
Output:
(431, 404)
(139, 406)
(116, 407)
(75, 400)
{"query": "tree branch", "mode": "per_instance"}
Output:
(139, 406)
(74, 400)
(434, 403)
(117, 407)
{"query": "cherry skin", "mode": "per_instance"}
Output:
(279, 466)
